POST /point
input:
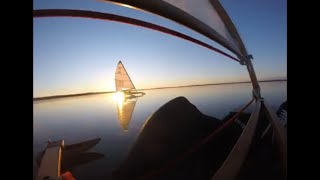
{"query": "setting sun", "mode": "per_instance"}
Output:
(118, 97)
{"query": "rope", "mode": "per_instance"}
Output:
(172, 163)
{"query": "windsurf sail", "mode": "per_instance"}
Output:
(122, 79)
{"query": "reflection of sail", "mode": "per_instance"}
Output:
(167, 133)
(122, 79)
(125, 110)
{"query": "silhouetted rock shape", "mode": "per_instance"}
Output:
(169, 132)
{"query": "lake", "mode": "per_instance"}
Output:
(117, 123)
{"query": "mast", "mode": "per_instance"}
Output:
(256, 88)
(246, 58)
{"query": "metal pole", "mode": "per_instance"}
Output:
(253, 77)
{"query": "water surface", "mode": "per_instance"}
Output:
(117, 123)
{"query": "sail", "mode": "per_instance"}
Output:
(205, 12)
(207, 17)
(125, 110)
(122, 79)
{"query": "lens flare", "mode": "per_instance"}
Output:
(118, 97)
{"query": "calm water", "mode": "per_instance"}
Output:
(82, 118)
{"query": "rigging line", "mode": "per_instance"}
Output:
(172, 163)
(123, 19)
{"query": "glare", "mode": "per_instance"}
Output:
(118, 97)
(125, 5)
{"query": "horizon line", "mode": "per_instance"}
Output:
(153, 88)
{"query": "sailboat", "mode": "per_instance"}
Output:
(124, 83)
(209, 18)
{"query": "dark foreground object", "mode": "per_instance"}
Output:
(173, 129)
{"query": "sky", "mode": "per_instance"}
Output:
(76, 55)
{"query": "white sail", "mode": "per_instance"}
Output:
(122, 79)
(205, 12)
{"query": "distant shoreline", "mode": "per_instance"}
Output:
(210, 84)
(93, 93)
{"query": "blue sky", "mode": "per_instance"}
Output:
(73, 55)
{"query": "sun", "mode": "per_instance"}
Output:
(118, 97)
